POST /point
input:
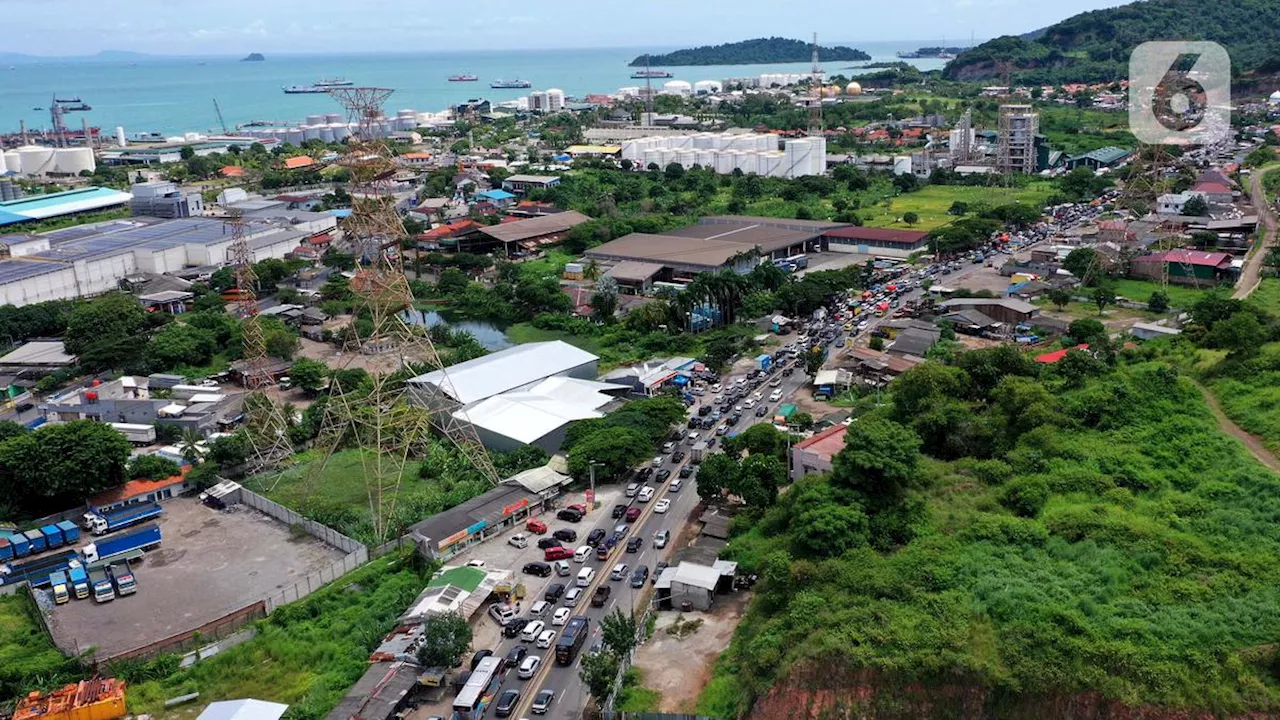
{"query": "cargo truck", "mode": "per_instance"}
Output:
(122, 575)
(52, 536)
(101, 522)
(136, 433)
(70, 531)
(21, 546)
(37, 541)
(697, 451)
(6, 548)
(102, 552)
(36, 571)
(79, 580)
(58, 583)
(102, 589)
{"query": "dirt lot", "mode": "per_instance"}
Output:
(679, 669)
(209, 564)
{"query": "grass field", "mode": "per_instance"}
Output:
(1267, 296)
(932, 203)
(1089, 310)
(1140, 291)
(28, 659)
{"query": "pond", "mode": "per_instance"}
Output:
(492, 337)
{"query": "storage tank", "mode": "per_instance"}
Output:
(73, 161)
(687, 158)
(747, 162)
(706, 158)
(35, 160)
(771, 163)
(341, 131)
(326, 133)
(799, 158)
(332, 118)
(631, 149)
(819, 159)
(677, 87)
(13, 161)
(4, 166)
(703, 141)
(724, 161)
(294, 136)
(652, 157)
(120, 141)
(901, 164)
(705, 87)
(853, 88)
(315, 120)
(310, 132)
(681, 142)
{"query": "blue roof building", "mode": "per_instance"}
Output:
(40, 207)
(496, 196)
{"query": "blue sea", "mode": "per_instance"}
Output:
(175, 95)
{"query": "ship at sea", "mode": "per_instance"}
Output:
(651, 74)
(321, 86)
(465, 77)
(510, 84)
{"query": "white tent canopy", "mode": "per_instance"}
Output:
(243, 710)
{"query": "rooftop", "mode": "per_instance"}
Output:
(1188, 257)
(1105, 155)
(51, 353)
(505, 370)
(1013, 304)
(540, 179)
(535, 227)
(243, 710)
(38, 207)
(633, 270)
(826, 443)
(906, 237)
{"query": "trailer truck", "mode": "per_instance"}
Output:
(101, 583)
(79, 580)
(102, 552)
(101, 522)
(36, 571)
(58, 583)
(697, 451)
(122, 575)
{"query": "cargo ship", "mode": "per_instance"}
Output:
(465, 77)
(651, 75)
(510, 84)
(323, 86)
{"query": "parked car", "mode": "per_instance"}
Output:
(570, 515)
(565, 535)
(657, 570)
(619, 510)
(519, 540)
(537, 527)
(557, 553)
(632, 489)
(540, 569)
(506, 704)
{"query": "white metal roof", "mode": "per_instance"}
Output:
(243, 710)
(39, 353)
(700, 576)
(525, 417)
(539, 479)
(505, 370)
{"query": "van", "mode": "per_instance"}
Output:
(562, 567)
(585, 576)
(675, 485)
(539, 609)
(583, 553)
(691, 439)
(532, 631)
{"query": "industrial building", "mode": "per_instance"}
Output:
(503, 371)
(531, 233)
(1004, 310)
(876, 241)
(163, 199)
(726, 152)
(128, 400)
(1185, 267)
(41, 207)
(37, 160)
(1016, 150)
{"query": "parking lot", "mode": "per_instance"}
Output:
(209, 563)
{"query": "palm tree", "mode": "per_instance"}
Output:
(189, 445)
(592, 270)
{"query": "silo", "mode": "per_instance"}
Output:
(901, 164)
(707, 159)
(681, 142)
(652, 157)
(631, 149)
(704, 87)
(819, 160)
(702, 141)
(747, 162)
(315, 119)
(36, 160)
(73, 161)
(341, 131)
(13, 161)
(687, 158)
(310, 132)
(719, 141)
(677, 87)
(293, 136)
(771, 163)
(4, 167)
(326, 133)
(724, 162)
(332, 118)
(798, 159)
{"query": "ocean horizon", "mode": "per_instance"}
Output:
(173, 95)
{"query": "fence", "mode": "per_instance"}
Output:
(293, 519)
(216, 629)
(318, 579)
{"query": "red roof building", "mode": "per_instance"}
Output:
(232, 171)
(1053, 357)
(813, 455)
(876, 241)
(299, 161)
(449, 230)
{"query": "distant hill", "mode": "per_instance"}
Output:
(752, 52)
(1095, 46)
(253, 57)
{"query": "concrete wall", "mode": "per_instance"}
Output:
(804, 463)
(700, 598)
(57, 285)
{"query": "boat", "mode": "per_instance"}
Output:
(510, 84)
(334, 82)
(465, 77)
(910, 55)
(651, 74)
(320, 86)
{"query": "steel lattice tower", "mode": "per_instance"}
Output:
(815, 94)
(376, 415)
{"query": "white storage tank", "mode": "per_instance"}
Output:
(681, 142)
(703, 141)
(706, 158)
(901, 164)
(293, 136)
(35, 160)
(326, 133)
(687, 158)
(704, 87)
(332, 118)
(652, 157)
(310, 132)
(767, 142)
(13, 161)
(73, 161)
(4, 166)
(724, 161)
(315, 120)
(120, 141)
(677, 87)
(771, 163)
(747, 162)
(799, 158)
(341, 131)
(631, 149)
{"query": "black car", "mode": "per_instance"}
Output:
(704, 411)
(634, 544)
(601, 596)
(618, 511)
(480, 655)
(639, 577)
(514, 627)
(663, 474)
(507, 702)
(734, 418)
(657, 570)
(565, 535)
(554, 592)
(762, 411)
(569, 515)
(615, 538)
(711, 442)
(595, 537)
(540, 569)
(514, 656)
(644, 474)
(677, 457)
(547, 542)
(685, 471)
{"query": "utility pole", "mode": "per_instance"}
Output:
(591, 469)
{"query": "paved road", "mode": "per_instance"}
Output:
(1251, 275)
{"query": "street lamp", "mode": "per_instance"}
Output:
(591, 470)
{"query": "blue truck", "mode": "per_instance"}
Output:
(37, 541)
(102, 552)
(21, 546)
(79, 580)
(101, 522)
(37, 571)
(123, 577)
(52, 536)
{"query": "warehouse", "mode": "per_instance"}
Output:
(502, 371)
(529, 234)
(40, 207)
(1185, 267)
(876, 241)
(539, 415)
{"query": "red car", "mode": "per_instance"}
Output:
(557, 553)
(633, 514)
(536, 526)
(579, 507)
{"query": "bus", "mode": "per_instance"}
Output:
(571, 640)
(480, 690)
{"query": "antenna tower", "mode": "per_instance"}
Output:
(815, 94)
(266, 427)
(375, 415)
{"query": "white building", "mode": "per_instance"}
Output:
(555, 100)
(757, 153)
(1171, 203)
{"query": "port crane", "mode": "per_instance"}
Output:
(60, 107)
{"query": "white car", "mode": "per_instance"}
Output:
(749, 403)
(662, 505)
(529, 667)
(546, 638)
(561, 616)
(532, 631)
(518, 540)
(775, 396)
(646, 494)
(717, 388)
(571, 597)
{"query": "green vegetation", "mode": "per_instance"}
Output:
(29, 660)
(66, 221)
(759, 51)
(1083, 528)
(59, 466)
(1095, 46)
(634, 696)
(305, 654)
(932, 203)
(1180, 296)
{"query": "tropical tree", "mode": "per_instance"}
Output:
(444, 641)
(1059, 296)
(620, 632)
(1103, 296)
(592, 270)
(189, 445)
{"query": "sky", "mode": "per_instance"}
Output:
(236, 27)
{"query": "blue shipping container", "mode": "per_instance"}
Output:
(21, 547)
(70, 531)
(764, 361)
(37, 540)
(52, 536)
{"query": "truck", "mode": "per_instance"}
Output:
(37, 541)
(6, 548)
(36, 571)
(122, 575)
(79, 580)
(70, 531)
(58, 583)
(136, 433)
(697, 451)
(101, 584)
(21, 546)
(52, 536)
(102, 552)
(101, 522)
(571, 640)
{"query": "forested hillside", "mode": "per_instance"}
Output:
(1002, 539)
(752, 52)
(1095, 46)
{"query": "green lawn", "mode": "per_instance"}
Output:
(1251, 396)
(1180, 296)
(28, 659)
(932, 203)
(1267, 296)
(1089, 310)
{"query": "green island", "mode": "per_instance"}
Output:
(758, 51)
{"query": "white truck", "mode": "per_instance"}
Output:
(697, 451)
(136, 433)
